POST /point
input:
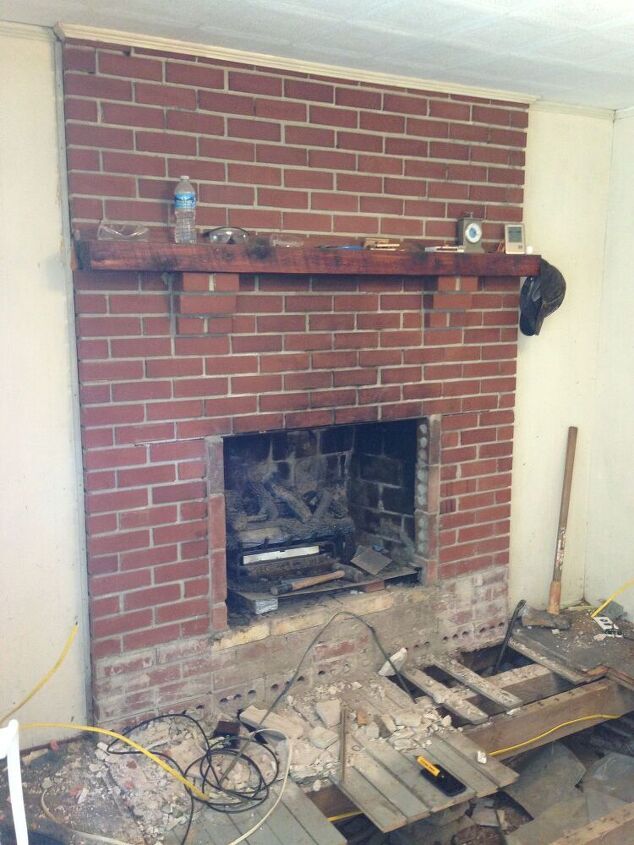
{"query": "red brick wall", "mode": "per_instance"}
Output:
(286, 352)
(273, 150)
(160, 375)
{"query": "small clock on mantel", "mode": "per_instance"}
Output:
(470, 234)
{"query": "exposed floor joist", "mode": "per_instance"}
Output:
(531, 722)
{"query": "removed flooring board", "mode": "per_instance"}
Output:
(452, 699)
(578, 650)
(476, 682)
(530, 649)
(295, 820)
(546, 776)
(387, 785)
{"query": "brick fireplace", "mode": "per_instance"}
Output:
(291, 351)
(180, 348)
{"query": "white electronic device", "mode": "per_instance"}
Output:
(514, 238)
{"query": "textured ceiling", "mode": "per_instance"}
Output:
(569, 51)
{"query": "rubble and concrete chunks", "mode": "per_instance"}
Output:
(322, 737)
(388, 725)
(362, 717)
(329, 712)
(408, 719)
(396, 661)
(304, 754)
(484, 815)
(253, 716)
(370, 731)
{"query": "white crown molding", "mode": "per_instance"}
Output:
(23, 30)
(575, 111)
(66, 31)
(624, 114)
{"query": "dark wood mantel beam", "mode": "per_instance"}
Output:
(205, 258)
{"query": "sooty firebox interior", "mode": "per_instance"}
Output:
(314, 510)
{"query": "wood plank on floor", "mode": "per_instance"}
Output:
(371, 802)
(532, 720)
(214, 828)
(374, 770)
(286, 826)
(476, 682)
(263, 835)
(550, 663)
(310, 817)
(441, 752)
(615, 828)
(408, 773)
(499, 773)
(448, 698)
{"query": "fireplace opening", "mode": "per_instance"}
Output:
(316, 510)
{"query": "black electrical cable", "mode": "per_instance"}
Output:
(215, 750)
(518, 608)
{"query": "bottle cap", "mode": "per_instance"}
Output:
(183, 178)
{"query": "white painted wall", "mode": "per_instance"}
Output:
(610, 545)
(567, 176)
(41, 572)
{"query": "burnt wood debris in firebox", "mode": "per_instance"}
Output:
(299, 502)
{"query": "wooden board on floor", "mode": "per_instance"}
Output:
(476, 682)
(532, 722)
(500, 774)
(310, 817)
(394, 777)
(440, 751)
(529, 683)
(451, 699)
(539, 655)
(295, 820)
(578, 650)
(371, 802)
(401, 767)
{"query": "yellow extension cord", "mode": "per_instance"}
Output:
(552, 731)
(122, 738)
(47, 677)
(616, 593)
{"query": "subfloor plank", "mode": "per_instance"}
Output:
(476, 682)
(396, 793)
(287, 827)
(442, 753)
(218, 827)
(532, 725)
(371, 802)
(549, 662)
(310, 817)
(263, 835)
(451, 699)
(499, 773)
(408, 773)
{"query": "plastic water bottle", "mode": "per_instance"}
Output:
(185, 212)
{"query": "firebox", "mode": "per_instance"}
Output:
(314, 510)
